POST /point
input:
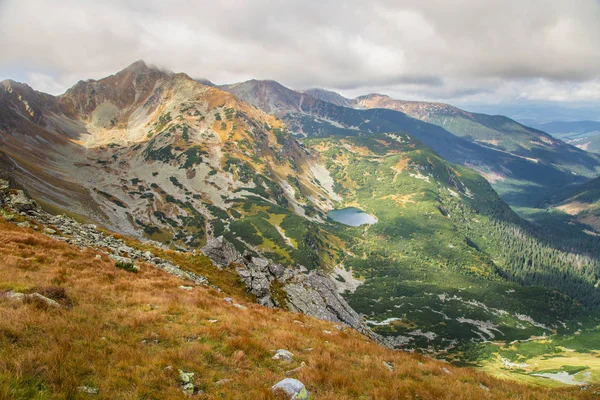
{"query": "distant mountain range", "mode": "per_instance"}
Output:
(523, 164)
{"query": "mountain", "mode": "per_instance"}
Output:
(582, 134)
(523, 164)
(162, 158)
(331, 97)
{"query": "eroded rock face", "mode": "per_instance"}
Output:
(311, 293)
(315, 294)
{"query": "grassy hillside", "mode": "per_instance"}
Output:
(579, 205)
(127, 335)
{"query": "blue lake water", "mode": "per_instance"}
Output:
(352, 216)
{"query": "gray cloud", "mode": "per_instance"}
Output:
(463, 51)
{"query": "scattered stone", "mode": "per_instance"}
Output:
(98, 257)
(241, 307)
(295, 370)
(481, 385)
(182, 287)
(83, 235)
(327, 332)
(88, 389)
(446, 370)
(292, 387)
(223, 381)
(213, 321)
(388, 365)
(283, 355)
(340, 328)
(228, 300)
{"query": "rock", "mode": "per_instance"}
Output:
(16, 296)
(482, 386)
(295, 370)
(241, 307)
(98, 257)
(24, 224)
(316, 295)
(221, 252)
(188, 288)
(327, 332)
(228, 300)
(292, 387)
(147, 255)
(283, 355)
(223, 381)
(388, 365)
(49, 231)
(21, 203)
(88, 389)
(4, 186)
(446, 370)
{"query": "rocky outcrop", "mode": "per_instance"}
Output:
(68, 230)
(315, 294)
(311, 293)
(221, 252)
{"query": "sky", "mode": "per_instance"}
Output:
(459, 51)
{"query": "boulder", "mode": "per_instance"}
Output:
(221, 252)
(21, 203)
(283, 355)
(291, 387)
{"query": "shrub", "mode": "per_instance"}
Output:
(127, 266)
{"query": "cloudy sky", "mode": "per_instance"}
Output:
(459, 51)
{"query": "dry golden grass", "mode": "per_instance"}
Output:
(121, 331)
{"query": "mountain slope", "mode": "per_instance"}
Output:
(582, 134)
(127, 335)
(523, 164)
(581, 202)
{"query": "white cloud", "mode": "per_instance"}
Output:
(457, 51)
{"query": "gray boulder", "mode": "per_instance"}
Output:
(21, 203)
(283, 355)
(292, 387)
(221, 252)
